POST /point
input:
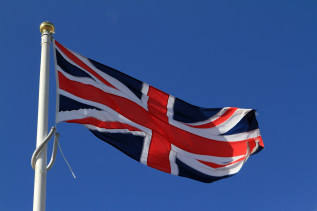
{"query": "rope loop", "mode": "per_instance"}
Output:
(39, 149)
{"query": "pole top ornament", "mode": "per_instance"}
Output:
(47, 26)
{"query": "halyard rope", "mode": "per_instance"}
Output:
(39, 149)
(54, 151)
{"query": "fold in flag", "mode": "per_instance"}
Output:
(150, 126)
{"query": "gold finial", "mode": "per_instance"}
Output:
(47, 26)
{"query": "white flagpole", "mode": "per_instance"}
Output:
(47, 29)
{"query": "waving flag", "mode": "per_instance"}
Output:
(150, 126)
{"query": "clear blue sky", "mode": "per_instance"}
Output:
(249, 54)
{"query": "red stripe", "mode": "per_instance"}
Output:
(102, 124)
(75, 59)
(204, 146)
(159, 151)
(157, 103)
(158, 156)
(126, 107)
(180, 138)
(218, 121)
(252, 145)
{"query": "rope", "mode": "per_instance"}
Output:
(54, 151)
(60, 149)
(39, 149)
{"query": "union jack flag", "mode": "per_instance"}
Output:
(151, 126)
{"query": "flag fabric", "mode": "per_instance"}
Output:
(151, 126)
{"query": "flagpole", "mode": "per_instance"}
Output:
(46, 29)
